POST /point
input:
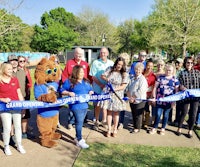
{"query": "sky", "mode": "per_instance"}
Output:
(118, 11)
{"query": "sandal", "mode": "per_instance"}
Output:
(108, 134)
(114, 133)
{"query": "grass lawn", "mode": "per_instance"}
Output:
(125, 155)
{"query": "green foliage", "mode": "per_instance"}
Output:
(126, 155)
(27, 33)
(10, 32)
(57, 31)
(125, 31)
(175, 24)
(133, 36)
(93, 24)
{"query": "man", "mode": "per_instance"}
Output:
(77, 60)
(179, 66)
(97, 68)
(141, 58)
(21, 76)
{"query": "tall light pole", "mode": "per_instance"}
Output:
(103, 38)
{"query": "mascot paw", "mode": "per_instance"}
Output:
(56, 136)
(48, 143)
(50, 97)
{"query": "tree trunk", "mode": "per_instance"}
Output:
(184, 49)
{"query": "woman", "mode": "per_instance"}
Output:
(10, 90)
(165, 85)
(137, 89)
(28, 84)
(77, 85)
(189, 79)
(122, 113)
(160, 68)
(151, 78)
(118, 77)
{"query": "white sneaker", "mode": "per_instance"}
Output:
(162, 132)
(21, 149)
(7, 150)
(70, 127)
(76, 141)
(82, 144)
(121, 126)
(153, 131)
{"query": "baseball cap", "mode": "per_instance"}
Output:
(12, 57)
(179, 60)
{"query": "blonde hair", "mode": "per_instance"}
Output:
(2, 69)
(126, 57)
(173, 66)
(160, 61)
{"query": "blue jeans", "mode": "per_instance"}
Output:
(71, 119)
(79, 119)
(165, 116)
(154, 109)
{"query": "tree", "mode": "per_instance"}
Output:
(176, 24)
(11, 30)
(94, 25)
(27, 34)
(140, 37)
(125, 30)
(133, 36)
(8, 24)
(56, 33)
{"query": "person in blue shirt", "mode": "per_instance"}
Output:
(75, 85)
(141, 58)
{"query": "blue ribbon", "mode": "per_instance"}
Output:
(189, 93)
(18, 105)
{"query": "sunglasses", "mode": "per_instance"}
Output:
(22, 61)
(50, 71)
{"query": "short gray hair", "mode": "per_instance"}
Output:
(140, 66)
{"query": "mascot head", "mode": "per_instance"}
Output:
(47, 71)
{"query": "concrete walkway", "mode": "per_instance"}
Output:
(66, 152)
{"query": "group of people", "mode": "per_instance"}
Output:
(15, 84)
(140, 83)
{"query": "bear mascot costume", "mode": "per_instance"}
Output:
(47, 75)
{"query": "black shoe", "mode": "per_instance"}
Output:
(30, 136)
(12, 141)
(189, 135)
(134, 132)
(178, 133)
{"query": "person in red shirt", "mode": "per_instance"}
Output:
(10, 90)
(197, 66)
(151, 78)
(77, 60)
